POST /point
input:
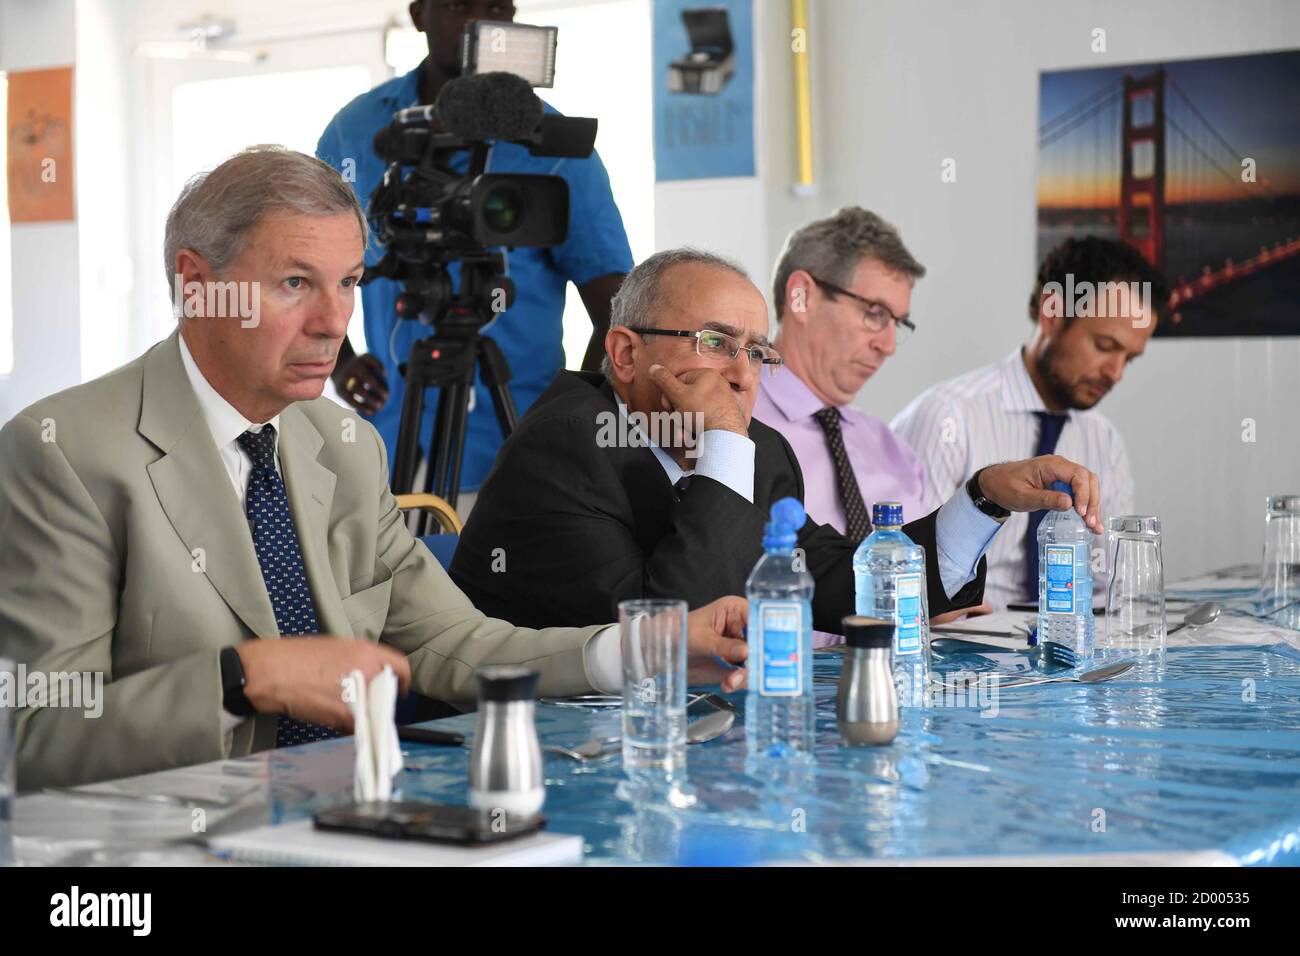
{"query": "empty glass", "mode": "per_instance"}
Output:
(1280, 587)
(653, 638)
(1135, 597)
(7, 760)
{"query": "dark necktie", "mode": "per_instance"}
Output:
(683, 483)
(857, 522)
(283, 572)
(1049, 433)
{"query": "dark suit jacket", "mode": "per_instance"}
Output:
(564, 529)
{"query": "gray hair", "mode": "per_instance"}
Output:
(832, 248)
(636, 304)
(217, 210)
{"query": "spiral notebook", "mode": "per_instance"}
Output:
(301, 844)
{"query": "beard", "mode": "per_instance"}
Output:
(1060, 392)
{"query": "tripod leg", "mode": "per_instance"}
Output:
(496, 376)
(406, 458)
(443, 475)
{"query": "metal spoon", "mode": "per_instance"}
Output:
(589, 750)
(1087, 677)
(1199, 616)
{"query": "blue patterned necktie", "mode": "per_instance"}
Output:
(280, 557)
(1049, 433)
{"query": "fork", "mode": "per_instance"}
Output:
(1052, 652)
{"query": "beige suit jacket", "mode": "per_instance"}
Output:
(124, 550)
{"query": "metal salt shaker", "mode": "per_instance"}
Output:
(505, 764)
(867, 704)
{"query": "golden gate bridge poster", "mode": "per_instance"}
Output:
(1196, 163)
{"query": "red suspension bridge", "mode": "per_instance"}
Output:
(1140, 160)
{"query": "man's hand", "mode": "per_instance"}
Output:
(303, 677)
(977, 610)
(1026, 486)
(361, 382)
(703, 391)
(713, 631)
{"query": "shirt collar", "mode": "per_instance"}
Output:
(793, 397)
(671, 468)
(224, 420)
(1019, 394)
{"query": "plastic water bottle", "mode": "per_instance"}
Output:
(889, 580)
(1065, 580)
(780, 708)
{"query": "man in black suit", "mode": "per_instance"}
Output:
(582, 511)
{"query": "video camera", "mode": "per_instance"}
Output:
(427, 215)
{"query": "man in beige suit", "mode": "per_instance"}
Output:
(166, 524)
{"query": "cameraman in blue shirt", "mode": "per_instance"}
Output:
(595, 256)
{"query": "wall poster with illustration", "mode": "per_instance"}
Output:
(1197, 164)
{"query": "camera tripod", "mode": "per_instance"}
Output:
(448, 360)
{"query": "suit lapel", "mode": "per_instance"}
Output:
(310, 487)
(194, 490)
(644, 481)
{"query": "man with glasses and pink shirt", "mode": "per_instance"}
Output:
(842, 290)
(590, 502)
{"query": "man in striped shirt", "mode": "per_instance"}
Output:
(1094, 307)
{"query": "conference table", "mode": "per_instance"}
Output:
(1193, 760)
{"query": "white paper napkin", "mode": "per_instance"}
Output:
(379, 754)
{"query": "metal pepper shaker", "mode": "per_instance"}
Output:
(505, 764)
(867, 703)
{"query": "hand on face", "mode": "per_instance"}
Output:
(705, 392)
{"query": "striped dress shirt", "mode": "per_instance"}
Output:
(987, 416)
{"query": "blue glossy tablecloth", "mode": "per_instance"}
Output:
(1202, 755)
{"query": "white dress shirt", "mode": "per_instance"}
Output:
(226, 425)
(987, 416)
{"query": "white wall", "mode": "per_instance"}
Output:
(899, 85)
(105, 213)
(47, 327)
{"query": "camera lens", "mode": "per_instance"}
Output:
(503, 209)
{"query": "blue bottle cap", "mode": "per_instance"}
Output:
(887, 514)
(1063, 486)
(787, 517)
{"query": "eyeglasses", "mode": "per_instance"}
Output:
(721, 347)
(877, 314)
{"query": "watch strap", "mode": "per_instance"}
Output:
(233, 698)
(990, 508)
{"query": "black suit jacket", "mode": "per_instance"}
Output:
(564, 529)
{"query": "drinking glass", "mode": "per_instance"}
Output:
(1136, 625)
(653, 638)
(1280, 585)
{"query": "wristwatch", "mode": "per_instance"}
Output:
(990, 508)
(233, 699)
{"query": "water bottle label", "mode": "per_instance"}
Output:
(1059, 564)
(907, 614)
(780, 629)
